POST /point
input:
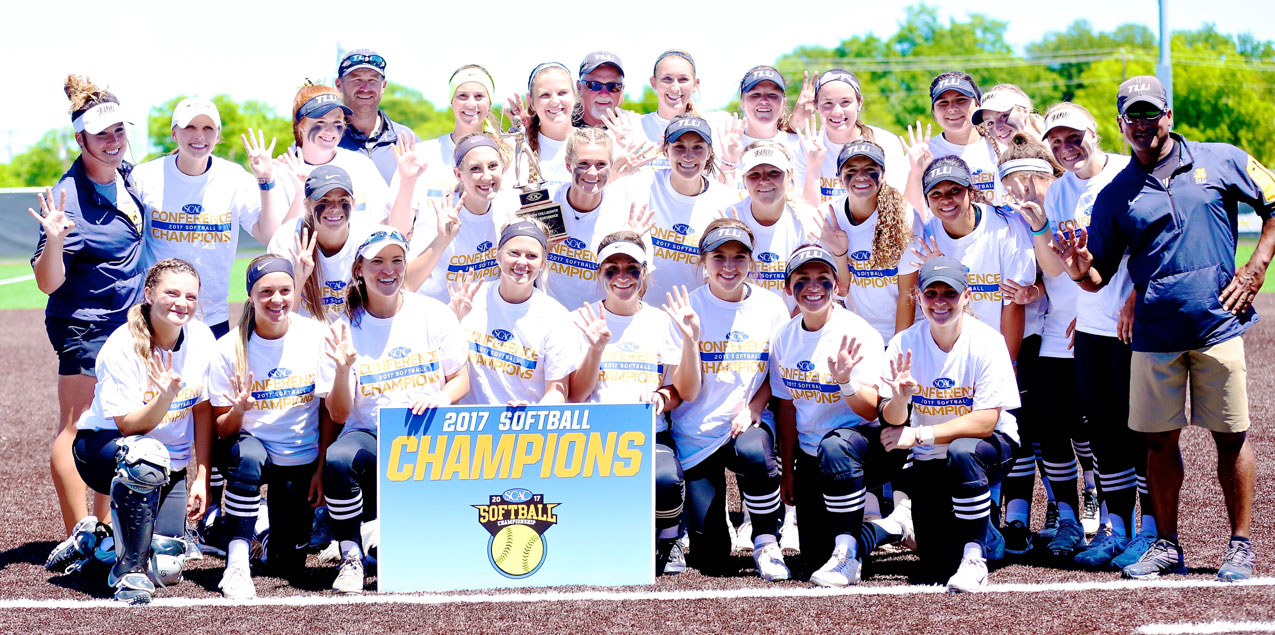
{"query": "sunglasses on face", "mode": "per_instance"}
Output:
(1147, 116)
(611, 87)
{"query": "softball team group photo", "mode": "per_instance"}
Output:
(881, 339)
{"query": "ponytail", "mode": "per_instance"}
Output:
(139, 315)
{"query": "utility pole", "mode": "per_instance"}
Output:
(1164, 69)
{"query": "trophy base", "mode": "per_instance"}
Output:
(550, 215)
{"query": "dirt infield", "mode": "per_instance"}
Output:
(1074, 601)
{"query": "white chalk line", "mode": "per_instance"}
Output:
(515, 597)
(1191, 628)
(29, 276)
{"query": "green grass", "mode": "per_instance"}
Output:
(25, 295)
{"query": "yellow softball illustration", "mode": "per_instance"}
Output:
(517, 550)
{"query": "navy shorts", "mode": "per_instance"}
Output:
(77, 344)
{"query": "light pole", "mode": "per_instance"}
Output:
(1164, 69)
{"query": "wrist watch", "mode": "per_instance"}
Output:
(925, 435)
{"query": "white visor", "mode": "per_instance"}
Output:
(98, 118)
(764, 156)
(192, 107)
(622, 247)
(1068, 118)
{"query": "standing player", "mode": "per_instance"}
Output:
(269, 385)
(728, 425)
(675, 85)
(360, 76)
(951, 385)
(546, 113)
(636, 352)
(601, 88)
(953, 97)
(89, 261)
(410, 354)
(472, 90)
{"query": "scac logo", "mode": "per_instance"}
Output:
(193, 208)
(335, 285)
(805, 366)
(502, 335)
(736, 336)
(682, 228)
(279, 373)
(862, 255)
(574, 243)
(517, 521)
(943, 383)
(768, 257)
(627, 347)
(400, 352)
(483, 246)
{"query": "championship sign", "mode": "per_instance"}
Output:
(479, 497)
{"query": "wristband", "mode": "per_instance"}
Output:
(1081, 278)
(1042, 231)
(722, 163)
(850, 388)
(925, 435)
(842, 254)
(267, 186)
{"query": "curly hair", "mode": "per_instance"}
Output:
(84, 94)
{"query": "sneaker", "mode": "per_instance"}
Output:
(349, 578)
(970, 577)
(1163, 557)
(994, 545)
(210, 531)
(1018, 538)
(1069, 539)
(1133, 551)
(192, 545)
(1090, 510)
(330, 553)
(788, 538)
(236, 583)
(902, 514)
(669, 559)
(840, 571)
(770, 562)
(1238, 562)
(1104, 548)
(743, 537)
(321, 530)
(1051, 522)
(75, 549)
(133, 588)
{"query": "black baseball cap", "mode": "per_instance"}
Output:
(722, 235)
(945, 269)
(759, 75)
(1141, 89)
(957, 83)
(326, 178)
(945, 170)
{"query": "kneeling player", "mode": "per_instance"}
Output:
(952, 385)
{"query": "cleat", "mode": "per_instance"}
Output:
(669, 559)
(330, 553)
(993, 544)
(1101, 550)
(1133, 551)
(841, 570)
(1090, 511)
(133, 588)
(321, 530)
(970, 577)
(1018, 538)
(350, 578)
(788, 538)
(770, 562)
(236, 583)
(1069, 539)
(1163, 557)
(1238, 562)
(71, 553)
(1051, 522)
(743, 537)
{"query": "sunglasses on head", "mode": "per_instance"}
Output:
(1148, 116)
(374, 60)
(611, 87)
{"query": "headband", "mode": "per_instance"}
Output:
(543, 66)
(524, 228)
(838, 75)
(471, 142)
(673, 53)
(622, 247)
(471, 74)
(1025, 165)
(261, 268)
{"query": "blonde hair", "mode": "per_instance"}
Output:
(489, 122)
(84, 94)
(690, 108)
(1022, 146)
(306, 93)
(587, 136)
(726, 222)
(783, 124)
(533, 131)
(710, 166)
(1035, 122)
(505, 152)
(139, 315)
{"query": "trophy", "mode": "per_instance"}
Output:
(532, 193)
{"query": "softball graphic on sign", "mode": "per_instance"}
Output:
(517, 521)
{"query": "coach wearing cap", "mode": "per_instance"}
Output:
(361, 79)
(1173, 209)
(601, 88)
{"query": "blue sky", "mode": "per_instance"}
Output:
(147, 53)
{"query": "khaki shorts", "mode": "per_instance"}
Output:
(1217, 376)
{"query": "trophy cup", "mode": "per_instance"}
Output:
(532, 193)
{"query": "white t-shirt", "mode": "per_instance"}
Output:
(799, 372)
(679, 222)
(372, 197)
(983, 162)
(734, 351)
(975, 375)
(515, 348)
(334, 270)
(473, 248)
(403, 358)
(439, 178)
(1071, 198)
(124, 386)
(874, 293)
(896, 165)
(290, 375)
(772, 244)
(637, 359)
(553, 163)
(197, 219)
(653, 126)
(573, 263)
(998, 249)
